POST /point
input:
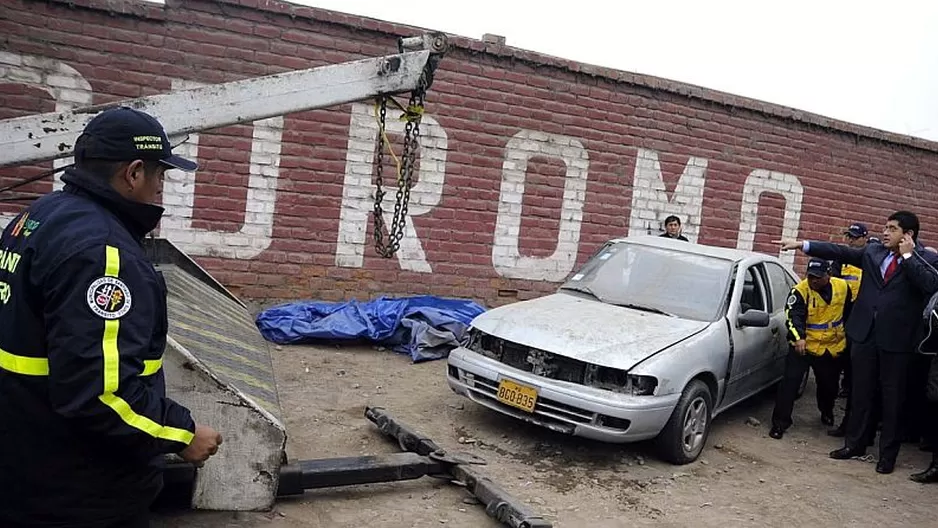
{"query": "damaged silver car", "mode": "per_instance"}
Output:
(652, 338)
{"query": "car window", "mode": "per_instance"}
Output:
(753, 297)
(781, 284)
(676, 281)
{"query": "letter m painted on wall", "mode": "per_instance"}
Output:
(651, 203)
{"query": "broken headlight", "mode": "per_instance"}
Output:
(642, 385)
(482, 343)
(617, 380)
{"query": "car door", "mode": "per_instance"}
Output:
(754, 348)
(781, 283)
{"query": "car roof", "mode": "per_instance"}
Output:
(724, 253)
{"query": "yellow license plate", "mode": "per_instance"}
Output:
(517, 395)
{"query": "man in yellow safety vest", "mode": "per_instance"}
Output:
(816, 309)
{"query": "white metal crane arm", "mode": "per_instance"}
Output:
(52, 135)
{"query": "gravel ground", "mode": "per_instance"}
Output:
(743, 478)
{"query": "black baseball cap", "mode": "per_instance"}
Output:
(857, 230)
(818, 267)
(126, 134)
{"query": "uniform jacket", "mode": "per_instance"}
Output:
(890, 313)
(84, 417)
(801, 315)
(853, 275)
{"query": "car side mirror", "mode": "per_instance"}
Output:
(756, 318)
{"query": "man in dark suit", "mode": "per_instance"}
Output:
(885, 326)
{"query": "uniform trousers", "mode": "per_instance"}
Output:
(826, 372)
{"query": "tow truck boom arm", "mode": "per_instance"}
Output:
(52, 135)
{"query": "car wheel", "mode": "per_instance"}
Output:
(804, 383)
(684, 436)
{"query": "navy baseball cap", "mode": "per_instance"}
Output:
(818, 267)
(126, 134)
(857, 230)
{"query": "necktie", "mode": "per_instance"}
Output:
(891, 268)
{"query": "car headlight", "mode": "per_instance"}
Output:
(481, 343)
(618, 380)
(642, 385)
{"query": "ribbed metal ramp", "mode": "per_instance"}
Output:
(222, 334)
(216, 327)
(218, 365)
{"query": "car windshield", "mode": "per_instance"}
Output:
(656, 280)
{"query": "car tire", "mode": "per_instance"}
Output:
(692, 414)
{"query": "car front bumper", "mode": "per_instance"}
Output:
(561, 406)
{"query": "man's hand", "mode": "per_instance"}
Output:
(799, 347)
(204, 445)
(788, 245)
(906, 245)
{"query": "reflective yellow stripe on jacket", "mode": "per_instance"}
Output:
(36, 366)
(39, 366)
(109, 346)
(825, 325)
(27, 366)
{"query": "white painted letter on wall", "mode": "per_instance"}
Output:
(650, 201)
(506, 256)
(65, 84)
(256, 232)
(763, 181)
(358, 189)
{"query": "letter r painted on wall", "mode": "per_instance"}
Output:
(358, 190)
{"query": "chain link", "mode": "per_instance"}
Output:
(413, 115)
(379, 191)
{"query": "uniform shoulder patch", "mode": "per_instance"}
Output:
(792, 299)
(109, 298)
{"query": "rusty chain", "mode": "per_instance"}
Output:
(412, 114)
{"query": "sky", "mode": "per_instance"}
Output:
(866, 62)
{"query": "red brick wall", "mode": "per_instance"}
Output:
(610, 126)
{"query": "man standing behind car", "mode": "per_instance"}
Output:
(84, 418)
(816, 309)
(885, 326)
(672, 229)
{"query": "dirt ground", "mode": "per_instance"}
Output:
(743, 478)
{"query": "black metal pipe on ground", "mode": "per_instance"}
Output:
(421, 457)
(330, 472)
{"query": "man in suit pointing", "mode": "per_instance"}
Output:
(885, 326)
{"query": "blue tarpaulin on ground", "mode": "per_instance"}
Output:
(424, 327)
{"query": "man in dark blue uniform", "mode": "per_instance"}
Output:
(84, 419)
(857, 236)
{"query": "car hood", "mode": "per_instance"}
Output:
(586, 329)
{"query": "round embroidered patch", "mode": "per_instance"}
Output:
(792, 300)
(109, 298)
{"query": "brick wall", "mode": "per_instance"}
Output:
(529, 162)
